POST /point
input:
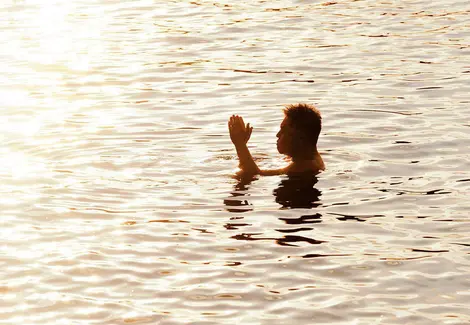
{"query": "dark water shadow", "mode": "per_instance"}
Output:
(239, 199)
(298, 192)
(293, 192)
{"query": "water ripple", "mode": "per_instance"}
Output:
(119, 201)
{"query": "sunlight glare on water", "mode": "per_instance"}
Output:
(119, 201)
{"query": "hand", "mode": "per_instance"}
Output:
(239, 134)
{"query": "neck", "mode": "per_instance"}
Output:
(307, 156)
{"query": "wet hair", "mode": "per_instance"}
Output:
(306, 119)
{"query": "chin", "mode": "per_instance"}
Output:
(283, 152)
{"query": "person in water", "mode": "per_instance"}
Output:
(297, 138)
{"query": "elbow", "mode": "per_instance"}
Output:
(251, 170)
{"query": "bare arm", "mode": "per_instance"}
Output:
(240, 134)
(273, 172)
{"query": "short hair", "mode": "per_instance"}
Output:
(306, 119)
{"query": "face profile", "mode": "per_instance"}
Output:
(284, 138)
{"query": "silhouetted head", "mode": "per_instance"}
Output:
(299, 131)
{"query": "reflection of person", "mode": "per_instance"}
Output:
(297, 139)
(294, 191)
(298, 192)
(239, 201)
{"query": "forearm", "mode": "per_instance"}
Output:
(247, 164)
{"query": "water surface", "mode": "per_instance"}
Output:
(119, 204)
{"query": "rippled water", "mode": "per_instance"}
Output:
(119, 204)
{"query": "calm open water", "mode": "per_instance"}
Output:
(118, 200)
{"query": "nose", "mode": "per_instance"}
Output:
(278, 134)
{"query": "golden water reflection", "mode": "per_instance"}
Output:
(115, 162)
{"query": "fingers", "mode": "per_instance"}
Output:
(241, 123)
(236, 120)
(232, 121)
(248, 130)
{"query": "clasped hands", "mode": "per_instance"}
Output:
(239, 133)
